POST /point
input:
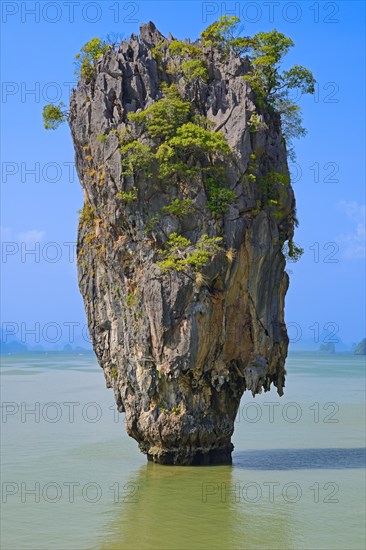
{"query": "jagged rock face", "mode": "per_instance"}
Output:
(179, 353)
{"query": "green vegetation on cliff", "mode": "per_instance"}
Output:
(165, 116)
(184, 147)
(86, 59)
(272, 87)
(180, 254)
(171, 141)
(265, 51)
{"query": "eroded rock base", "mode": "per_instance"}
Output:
(192, 457)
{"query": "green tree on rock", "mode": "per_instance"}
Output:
(164, 116)
(221, 34)
(54, 115)
(86, 58)
(271, 86)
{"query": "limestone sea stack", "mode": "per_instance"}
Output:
(180, 242)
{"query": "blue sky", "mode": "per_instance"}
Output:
(40, 190)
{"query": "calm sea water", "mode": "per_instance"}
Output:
(72, 479)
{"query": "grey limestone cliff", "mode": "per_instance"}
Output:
(177, 349)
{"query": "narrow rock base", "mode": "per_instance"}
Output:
(192, 457)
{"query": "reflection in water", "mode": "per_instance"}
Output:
(193, 508)
(300, 459)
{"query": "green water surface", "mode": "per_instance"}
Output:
(72, 479)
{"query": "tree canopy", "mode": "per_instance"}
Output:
(85, 59)
(222, 34)
(53, 116)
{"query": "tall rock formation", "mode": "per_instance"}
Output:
(180, 347)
